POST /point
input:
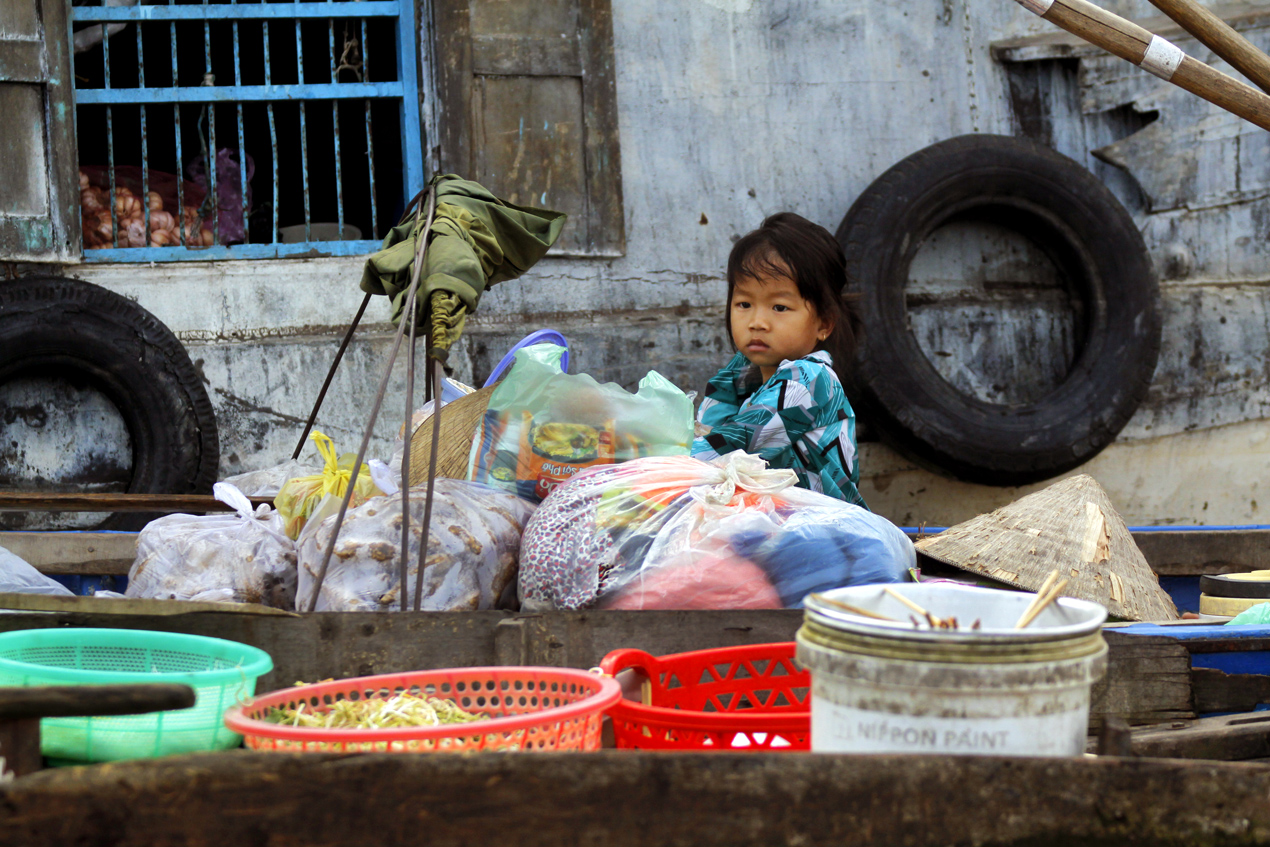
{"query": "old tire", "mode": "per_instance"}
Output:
(59, 326)
(1090, 238)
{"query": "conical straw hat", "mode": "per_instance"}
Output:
(459, 421)
(1071, 526)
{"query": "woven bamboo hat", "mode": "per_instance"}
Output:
(1071, 526)
(459, 421)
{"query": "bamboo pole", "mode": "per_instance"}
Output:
(1159, 56)
(1220, 37)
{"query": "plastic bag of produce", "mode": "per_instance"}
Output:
(543, 426)
(18, 576)
(269, 481)
(473, 549)
(239, 558)
(302, 496)
(680, 533)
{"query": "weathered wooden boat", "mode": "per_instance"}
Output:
(632, 798)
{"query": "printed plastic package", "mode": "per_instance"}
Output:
(473, 551)
(543, 426)
(679, 533)
(238, 558)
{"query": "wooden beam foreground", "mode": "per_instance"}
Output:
(632, 799)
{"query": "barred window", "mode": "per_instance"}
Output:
(222, 130)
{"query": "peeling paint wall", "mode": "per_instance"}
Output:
(731, 110)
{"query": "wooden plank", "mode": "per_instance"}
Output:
(77, 553)
(56, 701)
(20, 747)
(63, 145)
(453, 69)
(112, 606)
(606, 221)
(1226, 738)
(1218, 691)
(34, 501)
(347, 644)
(634, 799)
(1148, 681)
(527, 137)
(1197, 552)
(1190, 553)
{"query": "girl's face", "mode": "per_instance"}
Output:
(771, 322)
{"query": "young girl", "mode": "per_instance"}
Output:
(780, 397)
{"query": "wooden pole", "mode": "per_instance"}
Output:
(36, 501)
(1131, 42)
(1220, 37)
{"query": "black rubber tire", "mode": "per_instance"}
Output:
(53, 325)
(1089, 236)
(1223, 586)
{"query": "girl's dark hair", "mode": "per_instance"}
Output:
(790, 245)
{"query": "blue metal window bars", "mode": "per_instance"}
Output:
(285, 115)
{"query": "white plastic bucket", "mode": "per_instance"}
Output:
(893, 687)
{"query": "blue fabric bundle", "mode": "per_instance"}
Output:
(821, 548)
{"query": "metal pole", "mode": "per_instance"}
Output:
(374, 411)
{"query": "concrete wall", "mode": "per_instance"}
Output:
(734, 109)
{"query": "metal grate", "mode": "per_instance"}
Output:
(244, 130)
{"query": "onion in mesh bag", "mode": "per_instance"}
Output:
(473, 551)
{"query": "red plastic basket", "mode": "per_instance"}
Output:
(746, 698)
(530, 709)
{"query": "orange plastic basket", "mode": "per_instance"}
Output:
(529, 708)
(746, 698)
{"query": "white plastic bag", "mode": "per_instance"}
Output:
(239, 558)
(473, 551)
(269, 481)
(17, 576)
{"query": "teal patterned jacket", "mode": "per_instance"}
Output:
(799, 419)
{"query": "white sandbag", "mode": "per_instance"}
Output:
(473, 551)
(238, 558)
(17, 576)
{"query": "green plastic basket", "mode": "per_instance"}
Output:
(222, 674)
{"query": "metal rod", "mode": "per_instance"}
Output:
(370, 149)
(408, 314)
(180, 159)
(330, 375)
(110, 142)
(407, 437)
(1220, 37)
(304, 135)
(209, 157)
(374, 413)
(145, 152)
(273, 147)
(242, 144)
(335, 126)
(434, 379)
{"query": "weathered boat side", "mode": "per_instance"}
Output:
(629, 798)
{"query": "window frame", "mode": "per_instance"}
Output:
(406, 90)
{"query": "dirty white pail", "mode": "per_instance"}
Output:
(892, 687)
